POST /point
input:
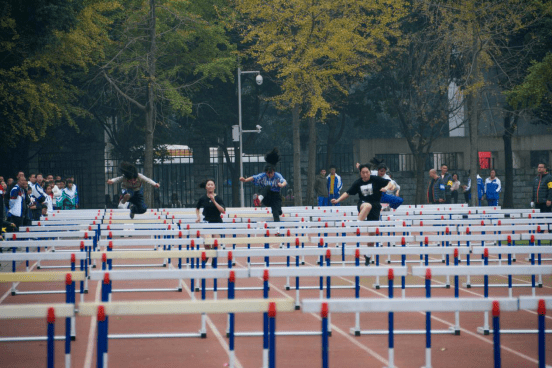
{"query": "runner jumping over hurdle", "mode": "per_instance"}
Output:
(369, 189)
(133, 191)
(272, 182)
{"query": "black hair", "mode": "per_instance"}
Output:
(128, 170)
(382, 166)
(271, 158)
(364, 166)
(332, 167)
(204, 183)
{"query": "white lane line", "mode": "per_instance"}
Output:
(92, 331)
(506, 348)
(210, 323)
(340, 331)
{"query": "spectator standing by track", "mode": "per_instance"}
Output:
(334, 185)
(492, 189)
(542, 190)
(321, 188)
(436, 188)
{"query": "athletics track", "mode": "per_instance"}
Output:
(470, 349)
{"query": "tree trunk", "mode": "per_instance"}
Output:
(508, 200)
(473, 120)
(311, 173)
(150, 107)
(333, 138)
(297, 187)
(473, 113)
(421, 195)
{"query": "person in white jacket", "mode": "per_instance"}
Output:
(492, 189)
(133, 191)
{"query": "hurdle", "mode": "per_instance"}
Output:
(49, 312)
(325, 307)
(531, 249)
(484, 271)
(539, 304)
(108, 256)
(18, 257)
(68, 278)
(108, 277)
(104, 310)
(321, 272)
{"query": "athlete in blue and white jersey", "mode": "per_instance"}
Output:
(492, 189)
(18, 204)
(272, 183)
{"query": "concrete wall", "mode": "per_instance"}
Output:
(365, 149)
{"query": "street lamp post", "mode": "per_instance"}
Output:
(259, 81)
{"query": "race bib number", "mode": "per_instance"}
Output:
(366, 190)
(442, 186)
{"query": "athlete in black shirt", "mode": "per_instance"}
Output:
(369, 189)
(211, 203)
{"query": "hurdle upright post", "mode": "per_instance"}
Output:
(391, 336)
(486, 292)
(325, 341)
(50, 319)
(496, 334)
(428, 319)
(272, 334)
(203, 331)
(456, 295)
(68, 320)
(357, 293)
(541, 311)
(231, 320)
(265, 320)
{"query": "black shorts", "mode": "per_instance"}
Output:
(374, 214)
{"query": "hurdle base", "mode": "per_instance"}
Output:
(17, 292)
(493, 285)
(297, 307)
(354, 332)
(236, 288)
(139, 265)
(280, 333)
(153, 335)
(483, 331)
(409, 286)
(51, 267)
(29, 338)
(142, 290)
(522, 332)
(318, 287)
(454, 331)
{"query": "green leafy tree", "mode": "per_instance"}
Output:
(42, 45)
(164, 52)
(316, 47)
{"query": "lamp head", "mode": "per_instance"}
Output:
(259, 79)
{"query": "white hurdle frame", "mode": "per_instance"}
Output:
(407, 305)
(483, 271)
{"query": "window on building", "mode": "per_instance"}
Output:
(540, 157)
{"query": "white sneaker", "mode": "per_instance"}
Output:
(123, 205)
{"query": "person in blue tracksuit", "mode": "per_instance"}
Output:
(334, 185)
(492, 189)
